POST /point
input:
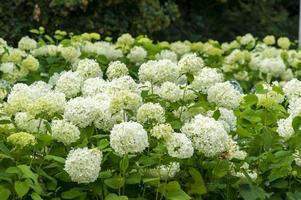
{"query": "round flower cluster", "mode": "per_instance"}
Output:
(83, 164)
(88, 68)
(69, 83)
(165, 172)
(159, 71)
(137, 55)
(151, 113)
(205, 79)
(64, 132)
(224, 95)
(179, 146)
(21, 139)
(191, 64)
(81, 111)
(170, 92)
(285, 128)
(167, 54)
(26, 43)
(207, 135)
(162, 131)
(128, 137)
(116, 69)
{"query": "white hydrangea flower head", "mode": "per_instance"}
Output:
(122, 83)
(180, 48)
(128, 137)
(207, 135)
(137, 54)
(292, 89)
(191, 63)
(106, 49)
(247, 39)
(116, 69)
(64, 132)
(8, 68)
(167, 54)
(125, 41)
(283, 42)
(50, 103)
(170, 91)
(206, 78)
(285, 128)
(93, 86)
(81, 111)
(19, 98)
(69, 83)
(165, 172)
(26, 43)
(228, 119)
(125, 100)
(70, 53)
(272, 66)
(83, 164)
(54, 78)
(26, 122)
(271, 97)
(88, 68)
(30, 63)
(151, 113)
(105, 119)
(269, 40)
(162, 131)
(22, 139)
(158, 71)
(224, 95)
(294, 107)
(179, 146)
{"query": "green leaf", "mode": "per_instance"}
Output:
(250, 100)
(115, 197)
(36, 196)
(134, 178)
(28, 173)
(198, 185)
(103, 143)
(124, 163)
(4, 193)
(249, 192)
(221, 168)
(296, 123)
(73, 193)
(115, 182)
(55, 158)
(5, 121)
(173, 191)
(105, 174)
(21, 188)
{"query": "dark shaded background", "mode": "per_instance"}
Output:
(163, 20)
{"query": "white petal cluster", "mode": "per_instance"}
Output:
(292, 89)
(191, 64)
(151, 113)
(125, 100)
(137, 55)
(69, 83)
(26, 43)
(26, 122)
(158, 71)
(206, 78)
(285, 128)
(116, 69)
(122, 83)
(179, 146)
(180, 47)
(93, 86)
(170, 91)
(165, 172)
(128, 137)
(167, 54)
(64, 132)
(70, 54)
(83, 164)
(88, 68)
(160, 131)
(207, 135)
(228, 119)
(106, 49)
(224, 95)
(81, 111)
(272, 66)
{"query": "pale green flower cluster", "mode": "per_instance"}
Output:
(21, 139)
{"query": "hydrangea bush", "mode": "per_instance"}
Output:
(84, 118)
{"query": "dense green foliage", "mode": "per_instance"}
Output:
(164, 20)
